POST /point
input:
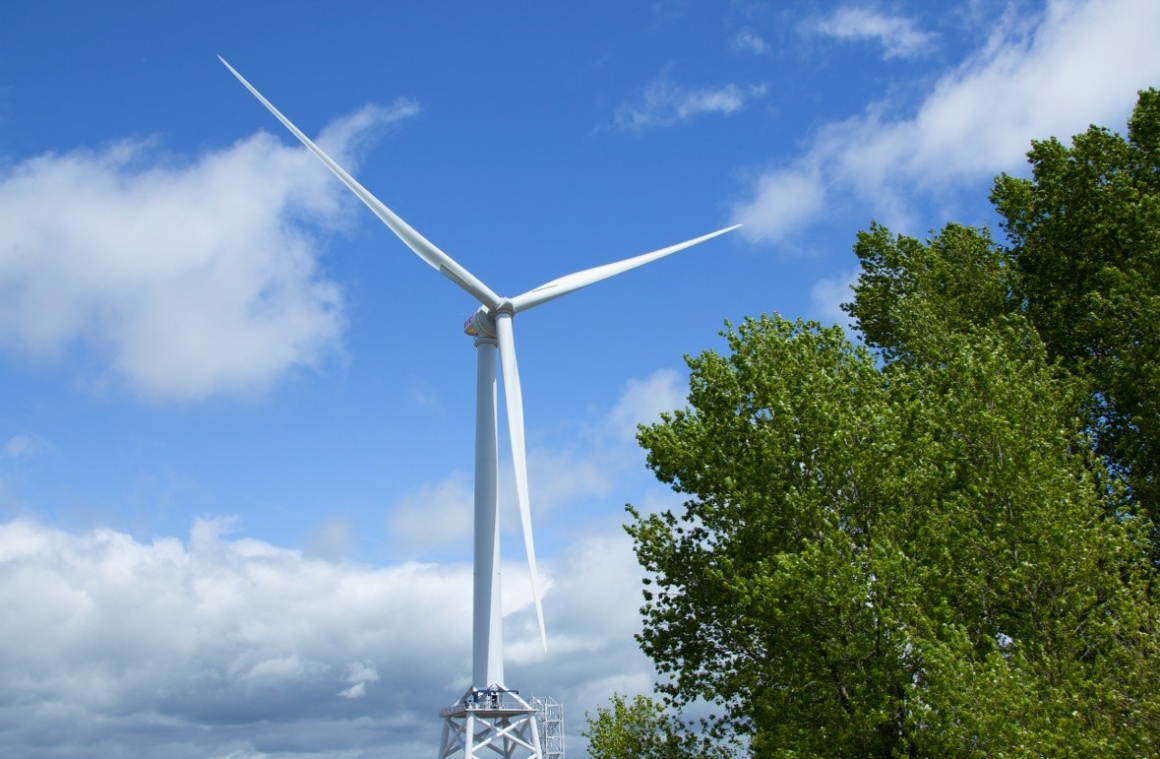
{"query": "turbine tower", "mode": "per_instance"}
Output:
(490, 719)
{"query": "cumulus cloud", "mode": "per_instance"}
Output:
(1080, 62)
(211, 633)
(592, 616)
(665, 104)
(899, 36)
(184, 278)
(220, 645)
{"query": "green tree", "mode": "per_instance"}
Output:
(643, 729)
(942, 544)
(1082, 263)
(902, 561)
(1085, 245)
(911, 294)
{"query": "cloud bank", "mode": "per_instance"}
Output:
(220, 647)
(181, 279)
(224, 646)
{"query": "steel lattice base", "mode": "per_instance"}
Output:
(490, 723)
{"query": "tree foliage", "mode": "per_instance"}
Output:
(910, 562)
(1085, 240)
(1082, 263)
(940, 545)
(643, 729)
(911, 294)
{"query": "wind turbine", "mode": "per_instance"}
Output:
(489, 717)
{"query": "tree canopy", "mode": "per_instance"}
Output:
(1085, 241)
(643, 729)
(940, 544)
(1081, 263)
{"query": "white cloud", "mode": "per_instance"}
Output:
(359, 674)
(560, 476)
(643, 401)
(435, 516)
(589, 577)
(185, 637)
(597, 459)
(664, 104)
(1080, 63)
(116, 647)
(23, 446)
(899, 36)
(748, 41)
(184, 279)
(783, 201)
(330, 540)
(221, 645)
(657, 500)
(607, 453)
(828, 295)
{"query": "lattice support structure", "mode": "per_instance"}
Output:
(491, 723)
(551, 715)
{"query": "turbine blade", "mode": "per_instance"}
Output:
(513, 399)
(564, 285)
(424, 248)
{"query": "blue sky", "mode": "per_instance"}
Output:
(236, 429)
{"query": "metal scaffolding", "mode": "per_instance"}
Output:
(550, 715)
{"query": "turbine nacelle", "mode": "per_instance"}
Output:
(482, 322)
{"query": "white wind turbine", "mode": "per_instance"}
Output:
(489, 717)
